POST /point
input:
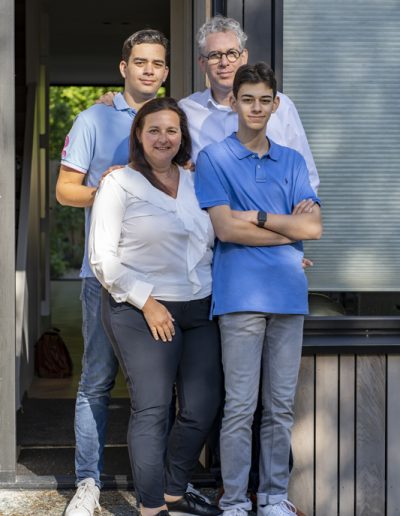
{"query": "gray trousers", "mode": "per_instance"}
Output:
(255, 344)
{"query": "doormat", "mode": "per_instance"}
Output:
(50, 422)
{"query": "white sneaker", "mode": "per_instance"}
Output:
(282, 508)
(86, 499)
(191, 489)
(237, 511)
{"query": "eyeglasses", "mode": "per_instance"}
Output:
(214, 57)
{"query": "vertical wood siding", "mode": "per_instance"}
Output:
(346, 436)
(7, 239)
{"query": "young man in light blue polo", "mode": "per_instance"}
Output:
(262, 206)
(99, 139)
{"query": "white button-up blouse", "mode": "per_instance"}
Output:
(142, 241)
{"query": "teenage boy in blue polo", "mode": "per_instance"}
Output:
(258, 195)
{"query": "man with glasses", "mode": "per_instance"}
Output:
(221, 44)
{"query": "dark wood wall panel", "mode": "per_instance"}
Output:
(346, 436)
(234, 9)
(370, 435)
(301, 485)
(262, 21)
(258, 25)
(326, 435)
(393, 428)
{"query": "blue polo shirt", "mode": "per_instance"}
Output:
(98, 139)
(245, 278)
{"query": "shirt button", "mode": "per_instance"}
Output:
(258, 166)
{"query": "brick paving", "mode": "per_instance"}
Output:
(53, 503)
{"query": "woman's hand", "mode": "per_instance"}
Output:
(159, 319)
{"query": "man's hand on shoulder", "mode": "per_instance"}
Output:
(107, 98)
(189, 165)
(109, 170)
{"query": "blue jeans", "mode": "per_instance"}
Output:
(99, 369)
(267, 346)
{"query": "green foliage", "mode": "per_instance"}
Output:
(66, 102)
(67, 234)
(67, 225)
(67, 238)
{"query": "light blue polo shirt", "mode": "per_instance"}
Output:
(98, 139)
(246, 278)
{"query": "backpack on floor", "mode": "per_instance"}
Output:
(52, 358)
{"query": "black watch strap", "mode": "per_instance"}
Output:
(261, 218)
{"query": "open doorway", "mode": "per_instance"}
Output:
(84, 50)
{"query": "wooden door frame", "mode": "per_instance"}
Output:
(262, 20)
(7, 252)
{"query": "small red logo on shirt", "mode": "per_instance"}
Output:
(64, 151)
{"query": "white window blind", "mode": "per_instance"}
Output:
(342, 70)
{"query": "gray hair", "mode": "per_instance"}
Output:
(220, 23)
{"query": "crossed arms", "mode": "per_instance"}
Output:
(240, 227)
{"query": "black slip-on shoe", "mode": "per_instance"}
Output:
(191, 503)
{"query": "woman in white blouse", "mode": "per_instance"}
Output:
(151, 248)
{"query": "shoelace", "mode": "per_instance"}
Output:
(287, 507)
(81, 494)
(237, 511)
(191, 489)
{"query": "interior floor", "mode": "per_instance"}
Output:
(45, 423)
(66, 315)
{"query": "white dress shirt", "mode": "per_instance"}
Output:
(210, 122)
(142, 241)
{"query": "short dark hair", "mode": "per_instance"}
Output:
(254, 74)
(144, 36)
(136, 152)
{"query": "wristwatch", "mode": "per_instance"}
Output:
(261, 218)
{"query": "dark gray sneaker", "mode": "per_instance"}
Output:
(191, 503)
